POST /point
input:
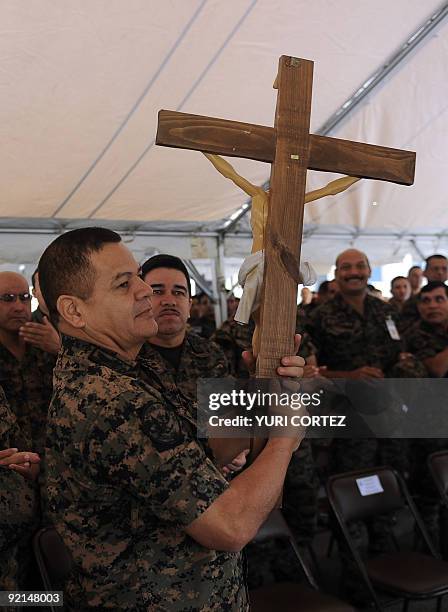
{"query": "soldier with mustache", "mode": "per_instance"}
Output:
(356, 337)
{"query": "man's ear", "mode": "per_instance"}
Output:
(69, 310)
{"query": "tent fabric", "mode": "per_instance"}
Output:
(82, 81)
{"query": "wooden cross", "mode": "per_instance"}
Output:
(291, 150)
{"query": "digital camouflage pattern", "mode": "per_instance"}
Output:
(200, 358)
(425, 340)
(18, 508)
(125, 477)
(345, 340)
(409, 316)
(234, 338)
(28, 386)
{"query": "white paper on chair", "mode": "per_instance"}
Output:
(370, 485)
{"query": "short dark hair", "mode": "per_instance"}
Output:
(398, 278)
(431, 286)
(323, 287)
(65, 267)
(166, 261)
(414, 268)
(435, 256)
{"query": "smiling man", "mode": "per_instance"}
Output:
(351, 331)
(150, 522)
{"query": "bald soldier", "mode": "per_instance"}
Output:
(150, 521)
(356, 338)
(25, 371)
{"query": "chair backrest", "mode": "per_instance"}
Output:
(275, 527)
(438, 467)
(381, 488)
(53, 558)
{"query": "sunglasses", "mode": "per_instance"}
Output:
(12, 297)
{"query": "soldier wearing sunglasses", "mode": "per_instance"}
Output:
(26, 372)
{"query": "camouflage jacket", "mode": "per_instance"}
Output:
(28, 386)
(235, 338)
(18, 505)
(409, 315)
(426, 340)
(125, 477)
(200, 358)
(345, 340)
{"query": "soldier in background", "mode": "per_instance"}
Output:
(178, 356)
(26, 371)
(415, 278)
(356, 337)
(181, 357)
(428, 341)
(436, 269)
(40, 332)
(400, 288)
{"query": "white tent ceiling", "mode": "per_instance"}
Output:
(81, 82)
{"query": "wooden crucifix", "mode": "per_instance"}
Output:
(291, 150)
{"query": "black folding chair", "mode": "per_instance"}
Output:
(438, 468)
(53, 559)
(291, 596)
(406, 575)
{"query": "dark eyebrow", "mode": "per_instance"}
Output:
(183, 287)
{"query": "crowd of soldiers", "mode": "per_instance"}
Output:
(111, 422)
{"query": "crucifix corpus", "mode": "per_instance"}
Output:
(291, 150)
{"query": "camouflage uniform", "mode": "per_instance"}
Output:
(125, 477)
(28, 386)
(409, 316)
(234, 338)
(425, 340)
(18, 509)
(200, 358)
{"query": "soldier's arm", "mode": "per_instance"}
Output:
(420, 345)
(437, 365)
(234, 518)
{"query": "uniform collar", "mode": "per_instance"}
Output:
(87, 353)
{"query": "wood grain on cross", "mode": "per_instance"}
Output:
(291, 150)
